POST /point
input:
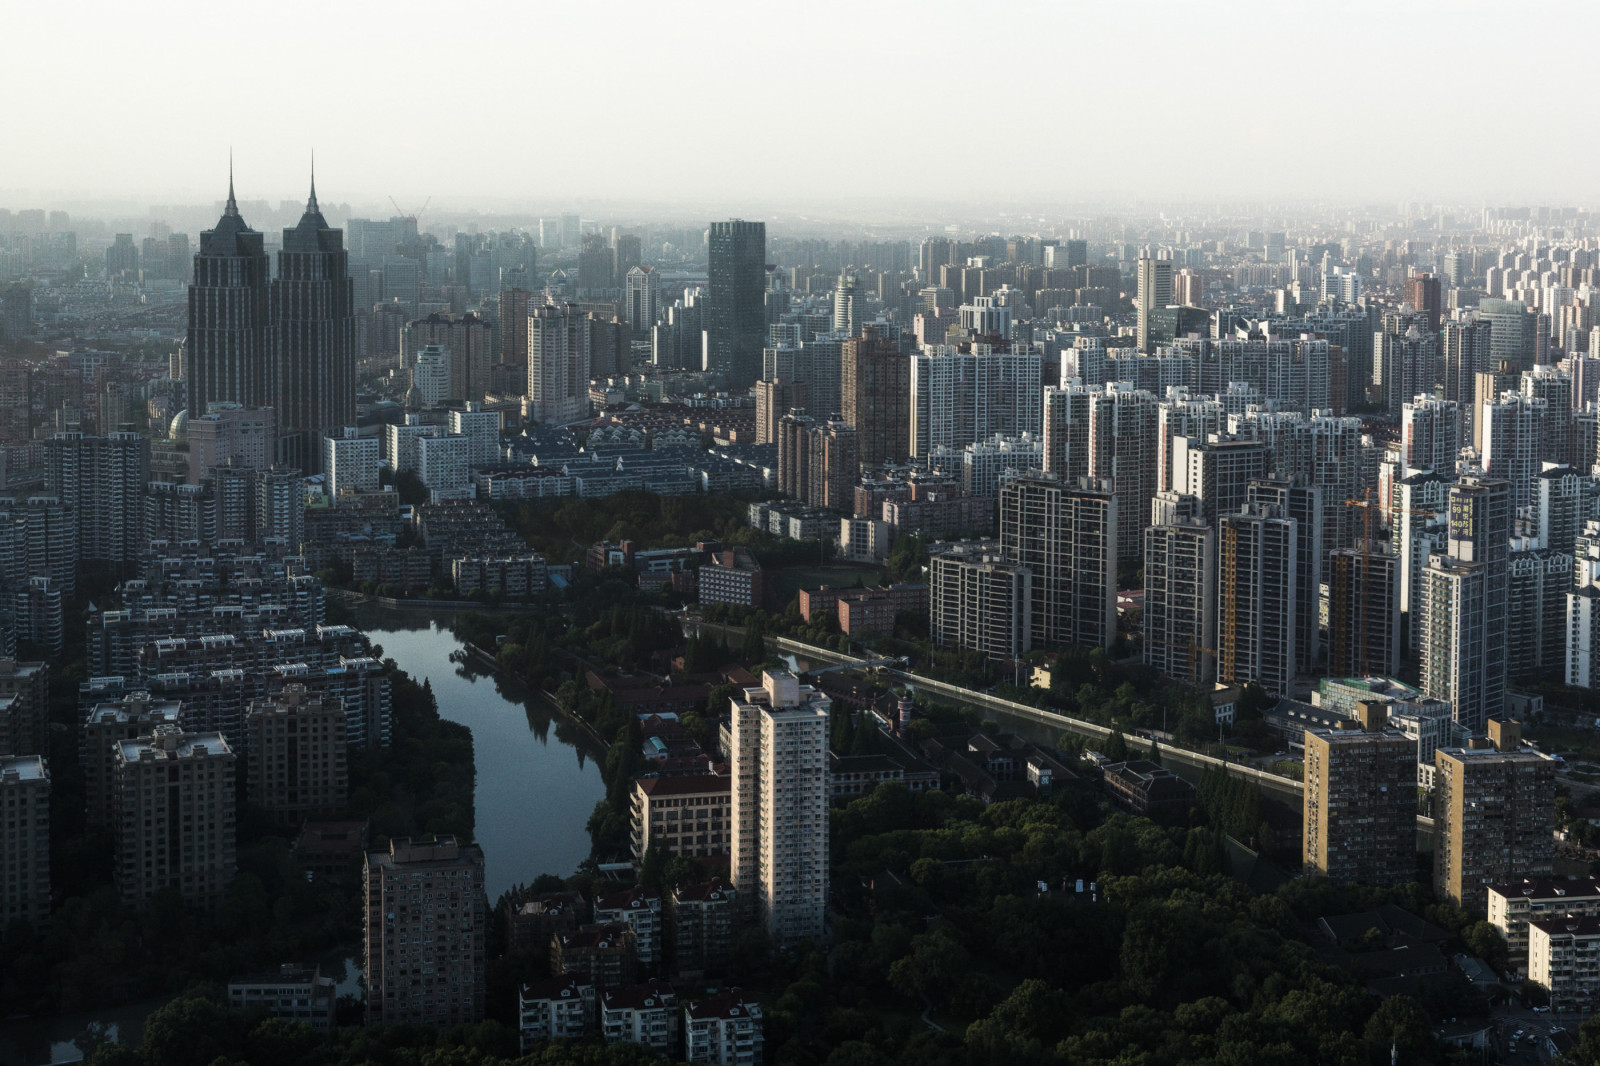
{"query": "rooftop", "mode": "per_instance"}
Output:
(25, 767)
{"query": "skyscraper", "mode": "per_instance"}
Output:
(424, 937)
(558, 363)
(225, 356)
(103, 480)
(876, 397)
(1122, 448)
(1360, 803)
(1257, 601)
(24, 839)
(1463, 609)
(175, 816)
(849, 305)
(312, 384)
(1065, 534)
(643, 292)
(1494, 817)
(735, 315)
(1363, 612)
(780, 803)
(1154, 291)
(1180, 590)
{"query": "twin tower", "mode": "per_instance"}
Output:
(285, 342)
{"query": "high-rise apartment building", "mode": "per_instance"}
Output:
(1494, 817)
(1065, 534)
(24, 839)
(849, 305)
(978, 599)
(296, 754)
(1513, 434)
(961, 395)
(774, 399)
(558, 363)
(1464, 352)
(1360, 805)
(1066, 430)
(735, 314)
(1122, 449)
(1405, 358)
(780, 804)
(1180, 598)
(103, 480)
(1430, 436)
(225, 356)
(875, 393)
(469, 343)
(136, 714)
(1217, 473)
(424, 938)
(175, 816)
(515, 307)
(350, 462)
(312, 381)
(1463, 639)
(1154, 291)
(833, 466)
(1257, 597)
(1363, 612)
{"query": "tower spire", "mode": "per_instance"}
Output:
(232, 207)
(311, 204)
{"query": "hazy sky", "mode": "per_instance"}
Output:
(750, 104)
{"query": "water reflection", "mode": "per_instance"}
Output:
(533, 796)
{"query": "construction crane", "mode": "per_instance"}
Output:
(413, 215)
(1368, 506)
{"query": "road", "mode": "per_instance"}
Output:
(1283, 789)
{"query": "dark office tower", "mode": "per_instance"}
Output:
(876, 397)
(626, 250)
(225, 357)
(1424, 295)
(736, 317)
(1514, 333)
(1077, 253)
(515, 307)
(313, 385)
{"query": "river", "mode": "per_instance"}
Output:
(538, 774)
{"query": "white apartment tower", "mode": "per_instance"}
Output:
(780, 803)
(558, 363)
(350, 462)
(1430, 436)
(1122, 447)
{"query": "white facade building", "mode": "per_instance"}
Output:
(780, 803)
(350, 462)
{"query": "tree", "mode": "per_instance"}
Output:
(1115, 747)
(754, 648)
